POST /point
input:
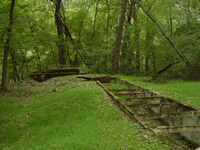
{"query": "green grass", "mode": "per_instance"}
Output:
(184, 91)
(68, 114)
(115, 86)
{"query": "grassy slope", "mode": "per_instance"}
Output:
(185, 91)
(65, 113)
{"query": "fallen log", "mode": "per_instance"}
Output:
(48, 74)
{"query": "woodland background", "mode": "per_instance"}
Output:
(84, 34)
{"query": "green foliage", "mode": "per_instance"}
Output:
(34, 39)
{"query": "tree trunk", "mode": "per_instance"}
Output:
(68, 55)
(154, 61)
(94, 25)
(75, 63)
(24, 62)
(164, 69)
(115, 64)
(188, 13)
(126, 41)
(60, 31)
(107, 34)
(187, 63)
(15, 71)
(6, 48)
(39, 63)
(147, 48)
(171, 21)
(137, 38)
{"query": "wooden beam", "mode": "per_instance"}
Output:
(125, 90)
(170, 115)
(176, 129)
(130, 94)
(152, 105)
(151, 98)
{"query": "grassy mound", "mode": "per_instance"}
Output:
(67, 113)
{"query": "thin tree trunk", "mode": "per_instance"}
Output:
(15, 71)
(147, 48)
(187, 63)
(188, 13)
(77, 47)
(115, 65)
(94, 25)
(7, 46)
(107, 33)
(78, 42)
(60, 31)
(54, 57)
(75, 63)
(164, 69)
(39, 63)
(137, 38)
(68, 34)
(24, 62)
(126, 40)
(171, 21)
(68, 55)
(147, 58)
(154, 61)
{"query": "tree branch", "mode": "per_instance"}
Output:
(168, 38)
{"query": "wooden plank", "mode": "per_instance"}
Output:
(164, 115)
(150, 98)
(176, 129)
(152, 105)
(43, 76)
(130, 94)
(125, 90)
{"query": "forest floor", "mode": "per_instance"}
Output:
(69, 113)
